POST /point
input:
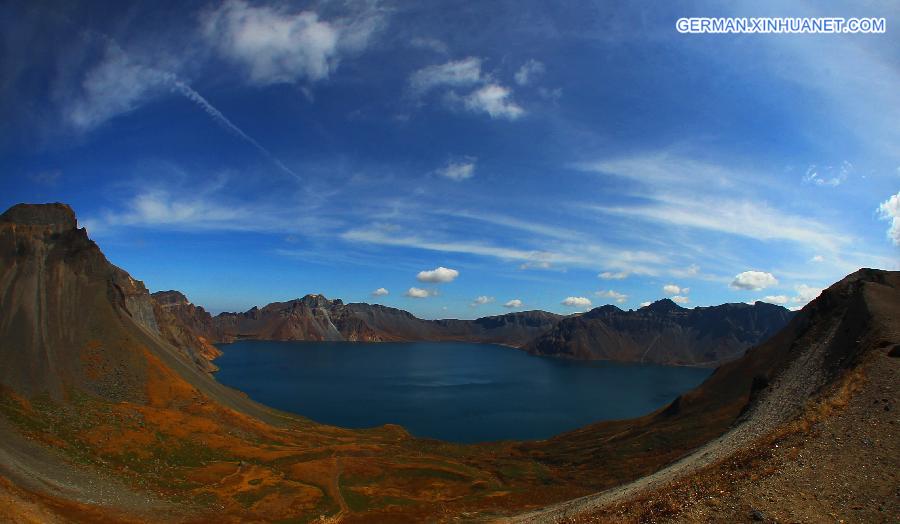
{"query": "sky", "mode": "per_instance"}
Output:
(458, 159)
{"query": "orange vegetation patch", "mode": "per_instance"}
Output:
(258, 490)
(164, 386)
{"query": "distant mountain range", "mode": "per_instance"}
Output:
(661, 333)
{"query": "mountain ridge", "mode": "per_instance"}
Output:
(317, 318)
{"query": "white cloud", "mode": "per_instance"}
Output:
(776, 299)
(817, 258)
(754, 280)
(612, 294)
(276, 46)
(890, 210)
(528, 71)
(482, 300)
(458, 73)
(458, 170)
(115, 86)
(514, 303)
(805, 294)
(416, 292)
(438, 275)
(831, 176)
(577, 302)
(611, 275)
(380, 292)
(678, 299)
(493, 99)
(672, 289)
(645, 304)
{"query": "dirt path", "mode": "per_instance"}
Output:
(335, 489)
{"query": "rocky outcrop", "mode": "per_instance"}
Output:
(186, 326)
(663, 333)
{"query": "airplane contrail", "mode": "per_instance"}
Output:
(192, 95)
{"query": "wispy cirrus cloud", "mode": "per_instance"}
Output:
(455, 73)
(672, 182)
(828, 175)
(486, 95)
(529, 71)
(119, 84)
(578, 254)
(736, 217)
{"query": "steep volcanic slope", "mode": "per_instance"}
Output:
(663, 333)
(836, 350)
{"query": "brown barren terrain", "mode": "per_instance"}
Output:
(106, 415)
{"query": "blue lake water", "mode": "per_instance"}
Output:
(452, 391)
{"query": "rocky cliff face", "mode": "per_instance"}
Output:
(663, 333)
(67, 311)
(186, 326)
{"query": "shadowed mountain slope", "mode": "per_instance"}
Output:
(662, 333)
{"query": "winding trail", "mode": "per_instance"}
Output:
(335, 488)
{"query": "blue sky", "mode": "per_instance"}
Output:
(468, 158)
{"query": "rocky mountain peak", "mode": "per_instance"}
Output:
(663, 306)
(56, 216)
(318, 301)
(171, 298)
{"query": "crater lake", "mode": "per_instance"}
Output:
(452, 391)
